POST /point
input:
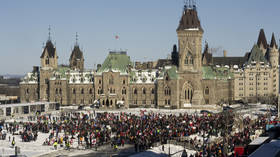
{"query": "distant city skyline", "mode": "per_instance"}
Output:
(147, 29)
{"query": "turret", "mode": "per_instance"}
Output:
(207, 58)
(77, 58)
(262, 42)
(175, 56)
(273, 52)
(49, 57)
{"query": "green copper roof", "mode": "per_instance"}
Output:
(116, 61)
(256, 55)
(62, 70)
(216, 73)
(172, 72)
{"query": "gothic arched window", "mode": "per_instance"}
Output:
(189, 58)
(90, 91)
(47, 62)
(123, 90)
(186, 60)
(206, 91)
(111, 80)
(99, 91)
(167, 91)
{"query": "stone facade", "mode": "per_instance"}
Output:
(191, 78)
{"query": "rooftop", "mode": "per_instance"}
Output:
(116, 61)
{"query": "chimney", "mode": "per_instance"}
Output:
(225, 53)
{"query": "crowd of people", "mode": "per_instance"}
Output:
(94, 130)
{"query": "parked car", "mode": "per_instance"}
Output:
(227, 108)
(205, 112)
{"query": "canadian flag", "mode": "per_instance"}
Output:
(117, 37)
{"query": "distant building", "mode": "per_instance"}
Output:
(256, 74)
(189, 78)
(9, 87)
(4, 99)
(34, 108)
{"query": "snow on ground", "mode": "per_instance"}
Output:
(234, 105)
(175, 151)
(34, 148)
(252, 110)
(200, 137)
(136, 111)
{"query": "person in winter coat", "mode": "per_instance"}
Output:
(13, 142)
(55, 145)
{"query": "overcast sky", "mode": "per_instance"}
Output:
(146, 28)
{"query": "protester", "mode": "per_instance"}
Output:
(142, 131)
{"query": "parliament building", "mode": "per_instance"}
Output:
(191, 77)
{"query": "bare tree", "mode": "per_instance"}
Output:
(216, 50)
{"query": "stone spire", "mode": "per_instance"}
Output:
(77, 58)
(273, 42)
(189, 19)
(262, 40)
